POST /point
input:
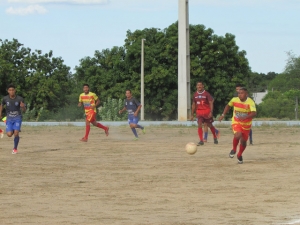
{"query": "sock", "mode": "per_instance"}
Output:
(205, 135)
(242, 148)
(200, 133)
(213, 131)
(16, 142)
(235, 143)
(87, 131)
(139, 126)
(134, 132)
(101, 126)
(1, 131)
(250, 135)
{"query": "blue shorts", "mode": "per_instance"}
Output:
(12, 125)
(133, 119)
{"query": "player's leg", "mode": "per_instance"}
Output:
(1, 133)
(200, 130)
(205, 132)
(136, 121)
(16, 126)
(87, 129)
(92, 120)
(212, 129)
(236, 128)
(243, 145)
(250, 137)
(133, 125)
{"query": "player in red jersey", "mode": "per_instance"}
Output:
(203, 105)
(90, 101)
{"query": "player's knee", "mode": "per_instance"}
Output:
(9, 134)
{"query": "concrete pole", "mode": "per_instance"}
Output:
(184, 87)
(142, 81)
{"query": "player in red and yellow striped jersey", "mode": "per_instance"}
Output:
(90, 101)
(243, 112)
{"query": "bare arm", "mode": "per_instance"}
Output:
(226, 109)
(137, 110)
(1, 108)
(23, 107)
(251, 115)
(122, 110)
(97, 102)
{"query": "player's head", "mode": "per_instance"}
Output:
(128, 93)
(243, 93)
(86, 88)
(200, 86)
(11, 89)
(237, 87)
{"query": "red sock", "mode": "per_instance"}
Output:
(213, 130)
(1, 131)
(101, 126)
(200, 133)
(235, 143)
(242, 148)
(87, 131)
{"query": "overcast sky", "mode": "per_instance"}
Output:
(73, 29)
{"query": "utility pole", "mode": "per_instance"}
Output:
(142, 81)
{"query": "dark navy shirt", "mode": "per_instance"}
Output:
(13, 109)
(131, 105)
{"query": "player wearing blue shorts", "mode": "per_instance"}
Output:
(133, 107)
(14, 105)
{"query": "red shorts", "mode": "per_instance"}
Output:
(203, 116)
(239, 128)
(90, 116)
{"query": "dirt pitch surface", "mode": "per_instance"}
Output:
(56, 179)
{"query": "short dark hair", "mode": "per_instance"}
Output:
(243, 89)
(238, 85)
(128, 90)
(11, 86)
(200, 82)
(86, 85)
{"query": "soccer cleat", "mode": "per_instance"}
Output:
(136, 139)
(204, 140)
(232, 153)
(218, 134)
(144, 130)
(84, 139)
(240, 159)
(14, 151)
(251, 142)
(106, 131)
(200, 143)
(216, 141)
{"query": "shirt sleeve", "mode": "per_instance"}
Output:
(252, 106)
(231, 102)
(3, 102)
(95, 97)
(209, 97)
(136, 102)
(80, 100)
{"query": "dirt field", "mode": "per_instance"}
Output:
(56, 179)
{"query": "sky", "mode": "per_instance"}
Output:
(74, 29)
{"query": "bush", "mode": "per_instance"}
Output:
(110, 110)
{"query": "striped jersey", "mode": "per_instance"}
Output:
(88, 100)
(242, 109)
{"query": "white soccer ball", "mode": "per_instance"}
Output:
(191, 148)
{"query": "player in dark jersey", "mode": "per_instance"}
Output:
(14, 105)
(133, 107)
(203, 105)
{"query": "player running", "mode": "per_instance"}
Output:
(237, 87)
(133, 106)
(14, 105)
(203, 104)
(244, 110)
(90, 101)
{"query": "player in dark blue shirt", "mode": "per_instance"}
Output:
(133, 107)
(14, 105)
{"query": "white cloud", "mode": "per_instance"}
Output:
(31, 9)
(85, 2)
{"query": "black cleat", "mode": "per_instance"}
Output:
(200, 143)
(251, 142)
(216, 141)
(232, 153)
(240, 160)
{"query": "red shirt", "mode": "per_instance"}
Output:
(201, 100)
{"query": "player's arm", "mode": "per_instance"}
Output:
(226, 109)
(137, 110)
(193, 111)
(249, 116)
(1, 108)
(122, 110)
(211, 106)
(97, 102)
(22, 105)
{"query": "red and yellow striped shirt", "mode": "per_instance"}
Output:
(88, 101)
(242, 109)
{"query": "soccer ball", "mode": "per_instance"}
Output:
(191, 148)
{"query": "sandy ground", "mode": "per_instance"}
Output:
(56, 179)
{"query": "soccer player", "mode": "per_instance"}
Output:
(243, 112)
(206, 131)
(133, 106)
(1, 131)
(14, 105)
(203, 105)
(90, 101)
